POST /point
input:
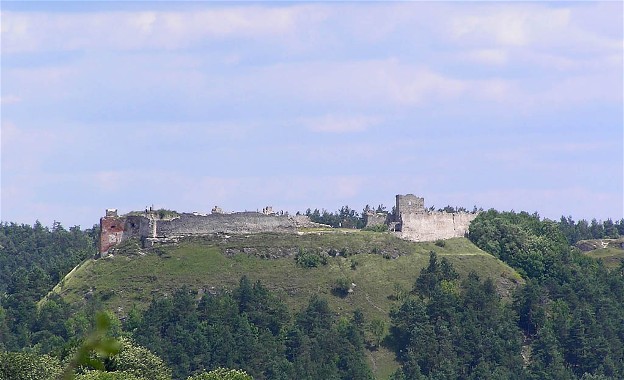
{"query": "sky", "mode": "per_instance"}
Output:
(189, 105)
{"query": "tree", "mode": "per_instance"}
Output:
(28, 366)
(222, 374)
(378, 328)
(138, 361)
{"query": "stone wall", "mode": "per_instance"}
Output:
(240, 222)
(111, 231)
(115, 229)
(432, 226)
(375, 219)
(414, 222)
(409, 204)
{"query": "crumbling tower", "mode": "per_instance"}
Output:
(111, 230)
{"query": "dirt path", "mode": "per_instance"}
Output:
(373, 305)
(371, 358)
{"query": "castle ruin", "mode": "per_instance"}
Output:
(152, 227)
(410, 221)
(413, 222)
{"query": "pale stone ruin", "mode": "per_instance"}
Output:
(411, 221)
(151, 228)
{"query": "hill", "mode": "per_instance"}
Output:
(610, 251)
(381, 266)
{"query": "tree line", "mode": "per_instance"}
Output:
(565, 322)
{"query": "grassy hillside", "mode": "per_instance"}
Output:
(610, 251)
(612, 257)
(380, 265)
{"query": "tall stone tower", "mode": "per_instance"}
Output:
(409, 204)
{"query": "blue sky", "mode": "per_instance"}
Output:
(510, 105)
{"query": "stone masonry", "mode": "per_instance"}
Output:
(415, 223)
(150, 228)
(411, 221)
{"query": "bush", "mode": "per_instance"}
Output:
(345, 252)
(354, 264)
(376, 228)
(308, 259)
(342, 287)
(222, 374)
(440, 243)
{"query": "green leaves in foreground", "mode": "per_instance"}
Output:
(222, 374)
(97, 342)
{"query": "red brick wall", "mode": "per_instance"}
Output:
(111, 232)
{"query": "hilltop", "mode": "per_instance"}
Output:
(380, 267)
(610, 251)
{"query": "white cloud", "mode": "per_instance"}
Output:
(340, 124)
(10, 99)
(487, 56)
(28, 32)
(386, 82)
(516, 25)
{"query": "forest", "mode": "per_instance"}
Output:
(565, 322)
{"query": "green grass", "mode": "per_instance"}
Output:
(122, 281)
(612, 257)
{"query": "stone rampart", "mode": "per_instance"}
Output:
(115, 229)
(240, 222)
(376, 219)
(432, 226)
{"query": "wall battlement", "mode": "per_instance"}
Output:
(411, 221)
(415, 223)
(150, 227)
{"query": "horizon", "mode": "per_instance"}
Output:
(188, 105)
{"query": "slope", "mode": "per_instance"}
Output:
(381, 266)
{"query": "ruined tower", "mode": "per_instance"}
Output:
(414, 222)
(111, 230)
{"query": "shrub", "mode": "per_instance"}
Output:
(376, 228)
(307, 259)
(222, 374)
(440, 243)
(354, 264)
(342, 287)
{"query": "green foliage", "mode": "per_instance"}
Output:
(354, 264)
(523, 241)
(28, 366)
(583, 230)
(32, 260)
(222, 374)
(440, 243)
(138, 361)
(343, 218)
(99, 375)
(54, 252)
(251, 329)
(310, 259)
(378, 328)
(452, 333)
(126, 247)
(166, 214)
(571, 306)
(97, 342)
(342, 286)
(377, 228)
(435, 277)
